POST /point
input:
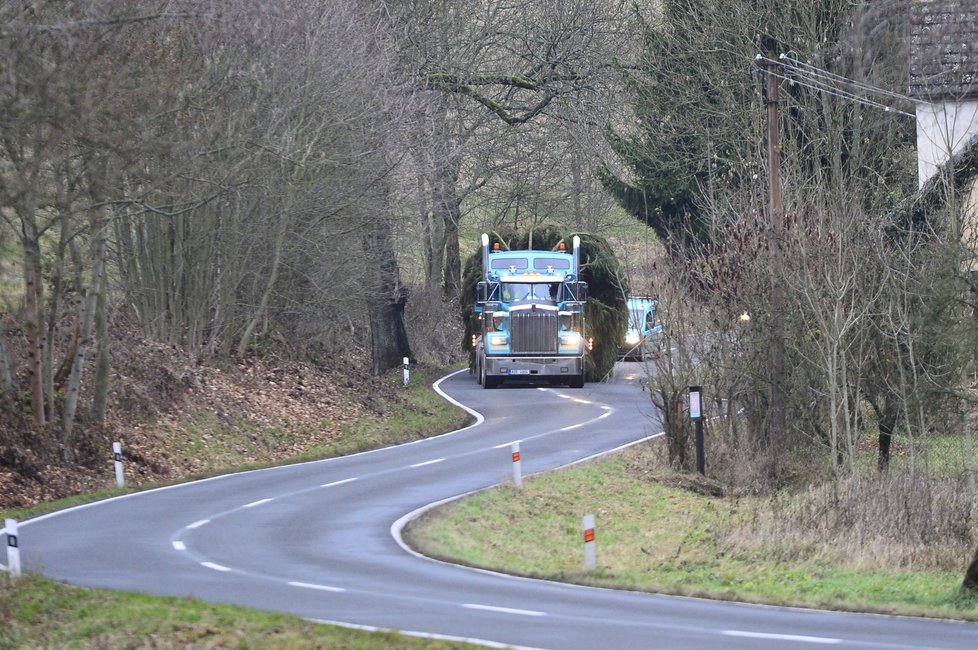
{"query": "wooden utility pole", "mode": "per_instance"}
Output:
(777, 427)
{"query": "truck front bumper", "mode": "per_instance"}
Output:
(534, 366)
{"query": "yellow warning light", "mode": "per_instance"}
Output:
(495, 247)
(590, 343)
(562, 246)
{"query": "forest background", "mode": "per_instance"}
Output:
(209, 211)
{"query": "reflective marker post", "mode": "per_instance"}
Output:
(120, 478)
(517, 470)
(407, 370)
(13, 548)
(588, 525)
(696, 415)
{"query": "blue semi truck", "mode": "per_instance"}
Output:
(644, 329)
(530, 305)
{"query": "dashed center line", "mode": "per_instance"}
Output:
(504, 610)
(428, 462)
(198, 524)
(180, 546)
(346, 480)
(256, 503)
(216, 567)
(507, 444)
(782, 637)
(306, 585)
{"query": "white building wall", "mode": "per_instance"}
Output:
(942, 131)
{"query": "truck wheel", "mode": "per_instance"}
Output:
(487, 381)
(577, 381)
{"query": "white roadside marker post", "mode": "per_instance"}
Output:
(407, 370)
(517, 470)
(13, 548)
(120, 478)
(588, 525)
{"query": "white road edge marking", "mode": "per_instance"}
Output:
(346, 480)
(507, 444)
(423, 635)
(428, 462)
(178, 545)
(479, 419)
(198, 524)
(503, 610)
(216, 567)
(306, 585)
(256, 503)
(574, 426)
(782, 637)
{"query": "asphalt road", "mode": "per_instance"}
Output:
(321, 540)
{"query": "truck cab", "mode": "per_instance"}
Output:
(530, 305)
(641, 337)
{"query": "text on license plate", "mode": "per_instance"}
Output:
(519, 372)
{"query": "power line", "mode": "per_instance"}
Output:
(817, 81)
(831, 76)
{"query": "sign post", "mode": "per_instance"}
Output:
(517, 469)
(696, 415)
(120, 478)
(13, 548)
(407, 370)
(588, 525)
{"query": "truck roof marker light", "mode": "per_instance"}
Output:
(562, 246)
(495, 247)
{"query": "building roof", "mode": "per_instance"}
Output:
(944, 49)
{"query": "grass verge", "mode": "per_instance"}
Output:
(39, 613)
(653, 537)
(410, 413)
(36, 612)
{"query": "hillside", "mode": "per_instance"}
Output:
(177, 416)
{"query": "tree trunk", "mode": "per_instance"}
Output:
(453, 261)
(971, 575)
(6, 365)
(73, 390)
(887, 423)
(386, 301)
(102, 365)
(34, 299)
(269, 286)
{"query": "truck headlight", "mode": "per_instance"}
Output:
(498, 340)
(570, 340)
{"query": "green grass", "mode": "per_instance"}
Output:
(39, 613)
(657, 538)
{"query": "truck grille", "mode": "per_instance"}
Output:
(533, 332)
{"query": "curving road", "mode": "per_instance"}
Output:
(321, 540)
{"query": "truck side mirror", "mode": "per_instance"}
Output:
(482, 292)
(582, 291)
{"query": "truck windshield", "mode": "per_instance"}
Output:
(519, 292)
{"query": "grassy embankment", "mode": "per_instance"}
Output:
(650, 536)
(39, 613)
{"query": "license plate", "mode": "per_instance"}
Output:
(519, 372)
